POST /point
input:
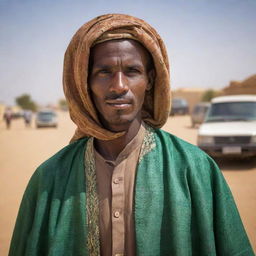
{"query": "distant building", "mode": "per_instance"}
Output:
(194, 95)
(248, 86)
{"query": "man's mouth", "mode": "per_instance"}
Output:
(119, 103)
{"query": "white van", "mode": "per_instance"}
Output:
(229, 128)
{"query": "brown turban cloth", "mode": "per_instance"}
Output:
(156, 105)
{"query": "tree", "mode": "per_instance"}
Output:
(25, 102)
(208, 95)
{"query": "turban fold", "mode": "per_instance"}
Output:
(156, 106)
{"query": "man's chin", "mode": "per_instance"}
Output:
(120, 125)
(122, 122)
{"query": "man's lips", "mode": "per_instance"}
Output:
(119, 103)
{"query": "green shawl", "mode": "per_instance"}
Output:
(183, 205)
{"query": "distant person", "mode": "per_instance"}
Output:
(123, 186)
(8, 116)
(27, 115)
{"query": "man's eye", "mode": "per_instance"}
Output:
(104, 71)
(133, 71)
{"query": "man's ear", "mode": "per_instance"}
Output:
(151, 79)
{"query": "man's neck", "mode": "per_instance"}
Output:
(110, 149)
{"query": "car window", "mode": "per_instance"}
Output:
(46, 115)
(200, 109)
(232, 111)
(179, 102)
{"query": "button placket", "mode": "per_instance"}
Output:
(117, 209)
(107, 186)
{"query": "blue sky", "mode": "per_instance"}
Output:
(209, 42)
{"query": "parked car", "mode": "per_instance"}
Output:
(46, 118)
(230, 127)
(199, 112)
(179, 106)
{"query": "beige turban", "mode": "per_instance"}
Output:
(156, 105)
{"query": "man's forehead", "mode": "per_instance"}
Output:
(114, 46)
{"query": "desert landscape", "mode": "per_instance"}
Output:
(22, 149)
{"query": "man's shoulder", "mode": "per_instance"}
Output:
(64, 156)
(57, 169)
(176, 144)
(184, 159)
(183, 154)
(66, 153)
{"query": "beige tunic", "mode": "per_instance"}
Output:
(115, 181)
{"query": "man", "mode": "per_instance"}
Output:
(27, 118)
(8, 116)
(123, 186)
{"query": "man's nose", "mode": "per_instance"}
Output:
(119, 83)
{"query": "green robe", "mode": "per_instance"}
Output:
(182, 204)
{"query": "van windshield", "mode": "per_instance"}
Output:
(46, 115)
(232, 111)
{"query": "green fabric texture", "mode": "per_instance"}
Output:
(183, 205)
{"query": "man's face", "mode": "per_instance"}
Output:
(118, 79)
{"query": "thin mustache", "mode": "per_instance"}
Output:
(115, 96)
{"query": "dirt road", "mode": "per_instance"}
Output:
(23, 149)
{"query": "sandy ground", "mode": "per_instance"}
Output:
(23, 149)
